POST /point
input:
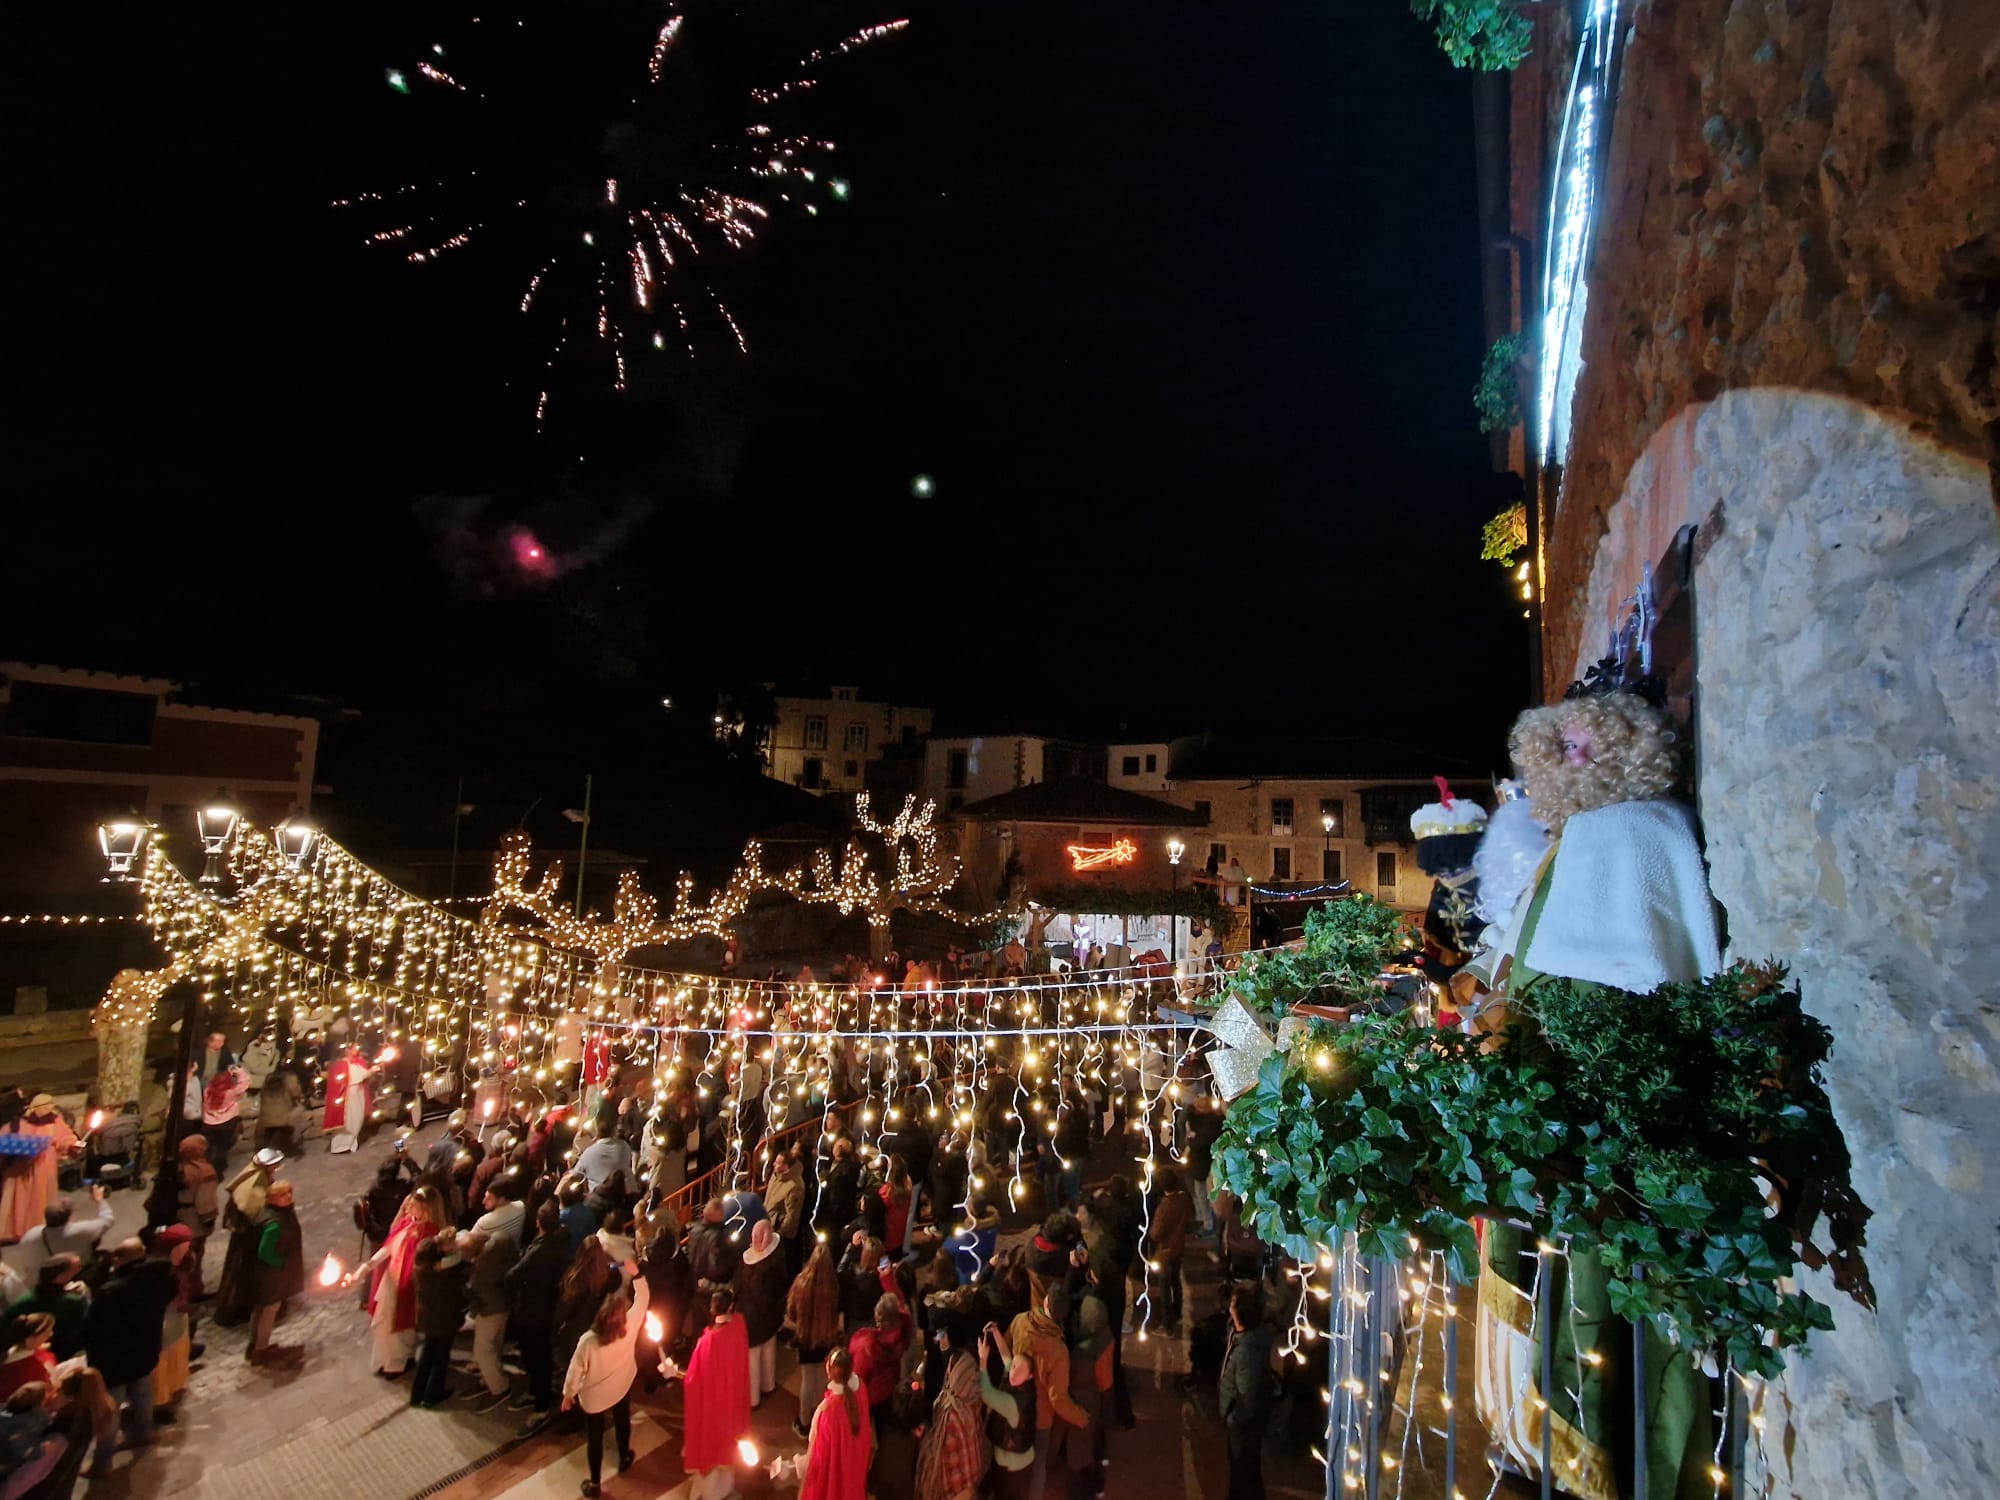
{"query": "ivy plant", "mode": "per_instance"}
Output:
(1339, 962)
(1650, 1129)
(1505, 537)
(1491, 35)
(1497, 396)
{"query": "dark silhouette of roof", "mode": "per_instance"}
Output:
(1343, 757)
(1076, 800)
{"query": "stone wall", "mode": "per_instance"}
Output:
(1847, 603)
(1800, 193)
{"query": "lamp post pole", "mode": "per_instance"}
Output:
(1326, 823)
(1175, 849)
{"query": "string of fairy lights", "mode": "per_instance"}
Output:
(1002, 1063)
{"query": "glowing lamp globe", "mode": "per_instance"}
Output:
(294, 838)
(923, 487)
(215, 821)
(123, 840)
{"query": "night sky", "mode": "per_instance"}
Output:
(1177, 301)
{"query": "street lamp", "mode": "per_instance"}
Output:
(294, 838)
(1325, 822)
(215, 821)
(1175, 849)
(123, 840)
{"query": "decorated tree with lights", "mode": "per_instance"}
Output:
(910, 873)
(634, 922)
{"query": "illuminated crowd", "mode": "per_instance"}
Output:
(829, 1172)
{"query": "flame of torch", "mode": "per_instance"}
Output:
(747, 1451)
(329, 1271)
(96, 1119)
(655, 1329)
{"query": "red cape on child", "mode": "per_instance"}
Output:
(717, 1411)
(837, 1468)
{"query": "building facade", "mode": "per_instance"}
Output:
(827, 744)
(1300, 829)
(78, 747)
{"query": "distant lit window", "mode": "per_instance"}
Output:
(815, 733)
(1281, 815)
(1281, 863)
(857, 737)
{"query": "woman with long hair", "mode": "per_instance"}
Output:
(843, 1438)
(589, 1280)
(717, 1413)
(392, 1272)
(954, 1454)
(601, 1373)
(812, 1312)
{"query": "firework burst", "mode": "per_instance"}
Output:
(595, 166)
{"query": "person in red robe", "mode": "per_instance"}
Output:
(843, 1438)
(347, 1101)
(718, 1401)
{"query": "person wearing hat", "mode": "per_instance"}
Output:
(28, 1184)
(175, 1246)
(246, 1197)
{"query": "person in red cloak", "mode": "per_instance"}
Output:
(718, 1401)
(843, 1438)
(347, 1101)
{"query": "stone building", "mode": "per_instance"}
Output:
(826, 744)
(1779, 399)
(1315, 811)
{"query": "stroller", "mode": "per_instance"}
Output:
(112, 1147)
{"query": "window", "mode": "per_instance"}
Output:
(955, 765)
(1330, 866)
(1385, 871)
(1336, 809)
(1218, 856)
(853, 769)
(1281, 815)
(1152, 764)
(1281, 863)
(843, 695)
(1129, 766)
(809, 778)
(1201, 810)
(857, 737)
(816, 733)
(909, 736)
